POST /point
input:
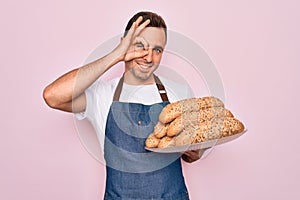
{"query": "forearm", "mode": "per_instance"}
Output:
(88, 74)
(72, 84)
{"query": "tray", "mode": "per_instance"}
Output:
(201, 145)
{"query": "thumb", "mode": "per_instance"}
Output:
(135, 54)
(141, 53)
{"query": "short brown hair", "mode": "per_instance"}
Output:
(155, 21)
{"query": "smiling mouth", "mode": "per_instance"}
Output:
(144, 67)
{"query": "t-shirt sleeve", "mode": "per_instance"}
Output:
(98, 99)
(90, 95)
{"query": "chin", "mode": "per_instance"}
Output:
(142, 75)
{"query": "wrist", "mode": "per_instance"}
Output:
(115, 57)
(118, 54)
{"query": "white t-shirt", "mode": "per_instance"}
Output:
(99, 97)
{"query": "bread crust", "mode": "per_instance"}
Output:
(160, 129)
(196, 117)
(166, 142)
(152, 141)
(174, 110)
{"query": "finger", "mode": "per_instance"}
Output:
(138, 49)
(139, 20)
(188, 159)
(141, 27)
(193, 155)
(131, 32)
(144, 24)
(192, 152)
(140, 40)
(140, 54)
(131, 54)
(188, 154)
(196, 151)
(134, 26)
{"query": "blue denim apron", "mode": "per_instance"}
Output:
(134, 173)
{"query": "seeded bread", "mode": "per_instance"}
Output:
(192, 121)
(166, 142)
(160, 130)
(193, 118)
(152, 141)
(209, 130)
(174, 110)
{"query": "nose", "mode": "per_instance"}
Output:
(148, 57)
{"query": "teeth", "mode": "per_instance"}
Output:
(144, 67)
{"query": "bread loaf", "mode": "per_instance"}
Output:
(192, 121)
(195, 118)
(175, 127)
(160, 130)
(232, 126)
(187, 136)
(174, 110)
(209, 130)
(166, 142)
(152, 141)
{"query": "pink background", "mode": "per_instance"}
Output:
(254, 45)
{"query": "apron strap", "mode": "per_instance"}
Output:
(161, 89)
(118, 89)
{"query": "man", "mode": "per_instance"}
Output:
(127, 109)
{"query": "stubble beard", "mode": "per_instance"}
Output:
(140, 75)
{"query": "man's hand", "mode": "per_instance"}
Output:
(128, 48)
(193, 155)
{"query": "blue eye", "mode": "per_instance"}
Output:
(157, 50)
(140, 45)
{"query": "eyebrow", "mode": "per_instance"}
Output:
(155, 47)
(138, 42)
(158, 47)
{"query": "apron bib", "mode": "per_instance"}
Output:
(134, 173)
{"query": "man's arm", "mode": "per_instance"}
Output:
(67, 92)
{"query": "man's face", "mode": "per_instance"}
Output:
(140, 70)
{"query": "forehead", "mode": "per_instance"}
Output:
(154, 36)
